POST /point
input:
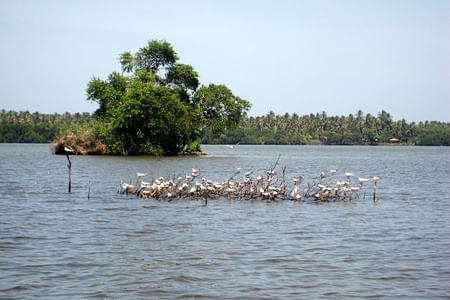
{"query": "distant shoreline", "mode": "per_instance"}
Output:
(270, 129)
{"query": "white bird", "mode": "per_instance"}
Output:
(376, 178)
(195, 172)
(68, 149)
(332, 172)
(126, 185)
(295, 195)
(145, 184)
(362, 179)
(348, 174)
(140, 174)
(232, 146)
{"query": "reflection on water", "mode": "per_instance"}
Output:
(59, 245)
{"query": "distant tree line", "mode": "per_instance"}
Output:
(287, 129)
(319, 128)
(27, 127)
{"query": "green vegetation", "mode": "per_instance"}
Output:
(26, 127)
(156, 106)
(359, 129)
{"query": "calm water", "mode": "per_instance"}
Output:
(55, 245)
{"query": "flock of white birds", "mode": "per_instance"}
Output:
(270, 186)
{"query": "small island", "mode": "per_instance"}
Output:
(155, 106)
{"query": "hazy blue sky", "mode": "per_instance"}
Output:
(285, 56)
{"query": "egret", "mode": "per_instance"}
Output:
(295, 195)
(232, 146)
(145, 184)
(362, 179)
(271, 173)
(140, 174)
(349, 174)
(192, 190)
(68, 149)
(195, 172)
(127, 188)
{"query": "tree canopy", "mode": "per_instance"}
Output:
(157, 106)
(319, 128)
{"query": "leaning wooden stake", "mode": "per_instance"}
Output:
(69, 166)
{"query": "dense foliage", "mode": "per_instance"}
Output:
(26, 127)
(157, 106)
(359, 129)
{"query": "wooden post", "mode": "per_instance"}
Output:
(69, 166)
(374, 191)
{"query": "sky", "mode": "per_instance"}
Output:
(337, 56)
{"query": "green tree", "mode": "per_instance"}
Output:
(183, 76)
(156, 55)
(151, 120)
(156, 106)
(107, 93)
(219, 108)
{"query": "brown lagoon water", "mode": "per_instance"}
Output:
(55, 245)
